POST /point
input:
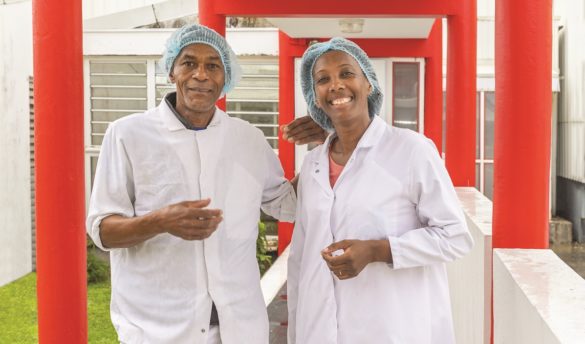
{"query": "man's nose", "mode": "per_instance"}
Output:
(200, 73)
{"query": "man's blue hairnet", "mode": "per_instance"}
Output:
(194, 33)
(308, 85)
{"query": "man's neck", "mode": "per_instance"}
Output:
(196, 119)
(171, 99)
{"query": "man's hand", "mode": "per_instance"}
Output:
(302, 131)
(347, 258)
(190, 220)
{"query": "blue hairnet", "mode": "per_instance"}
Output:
(307, 83)
(194, 33)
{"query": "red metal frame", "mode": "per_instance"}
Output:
(522, 124)
(59, 145)
(59, 165)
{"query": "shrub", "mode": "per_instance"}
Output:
(264, 259)
(97, 269)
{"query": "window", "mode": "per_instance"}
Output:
(405, 85)
(484, 163)
(405, 95)
(117, 89)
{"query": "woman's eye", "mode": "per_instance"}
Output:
(346, 74)
(188, 64)
(212, 66)
(322, 80)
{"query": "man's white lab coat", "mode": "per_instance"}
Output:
(393, 187)
(162, 289)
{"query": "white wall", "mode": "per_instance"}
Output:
(98, 8)
(571, 138)
(15, 68)
(538, 299)
(470, 278)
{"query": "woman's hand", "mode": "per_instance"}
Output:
(347, 258)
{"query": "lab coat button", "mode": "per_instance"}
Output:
(316, 171)
(202, 330)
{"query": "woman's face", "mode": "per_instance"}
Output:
(341, 88)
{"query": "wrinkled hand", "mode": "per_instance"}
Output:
(190, 220)
(302, 131)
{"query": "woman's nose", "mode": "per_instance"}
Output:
(336, 84)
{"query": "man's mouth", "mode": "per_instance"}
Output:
(340, 101)
(199, 89)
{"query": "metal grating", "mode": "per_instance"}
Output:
(33, 221)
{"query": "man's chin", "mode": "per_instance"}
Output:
(202, 106)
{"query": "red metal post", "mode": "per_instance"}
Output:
(209, 17)
(59, 158)
(433, 120)
(522, 123)
(286, 113)
(461, 94)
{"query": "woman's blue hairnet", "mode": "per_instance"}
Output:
(194, 33)
(308, 85)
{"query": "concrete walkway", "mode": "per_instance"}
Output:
(278, 317)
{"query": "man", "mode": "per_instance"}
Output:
(176, 199)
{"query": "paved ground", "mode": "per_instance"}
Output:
(572, 254)
(277, 315)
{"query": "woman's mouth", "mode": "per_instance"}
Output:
(340, 101)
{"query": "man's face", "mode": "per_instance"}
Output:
(199, 77)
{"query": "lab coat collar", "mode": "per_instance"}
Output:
(320, 168)
(370, 138)
(174, 124)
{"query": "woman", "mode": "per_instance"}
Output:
(377, 217)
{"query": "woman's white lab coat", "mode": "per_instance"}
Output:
(393, 187)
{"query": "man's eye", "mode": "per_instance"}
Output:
(188, 64)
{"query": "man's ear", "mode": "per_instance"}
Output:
(171, 77)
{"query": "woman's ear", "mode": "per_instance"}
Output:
(171, 77)
(317, 103)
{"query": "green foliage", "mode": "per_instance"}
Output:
(97, 269)
(18, 312)
(264, 259)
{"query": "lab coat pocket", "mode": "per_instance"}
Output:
(242, 211)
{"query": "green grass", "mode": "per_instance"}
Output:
(18, 312)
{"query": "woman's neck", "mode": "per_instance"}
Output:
(348, 136)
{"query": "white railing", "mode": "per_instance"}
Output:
(538, 298)
(470, 278)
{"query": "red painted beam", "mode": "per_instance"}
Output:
(522, 123)
(433, 121)
(396, 47)
(208, 16)
(331, 8)
(59, 161)
(461, 95)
